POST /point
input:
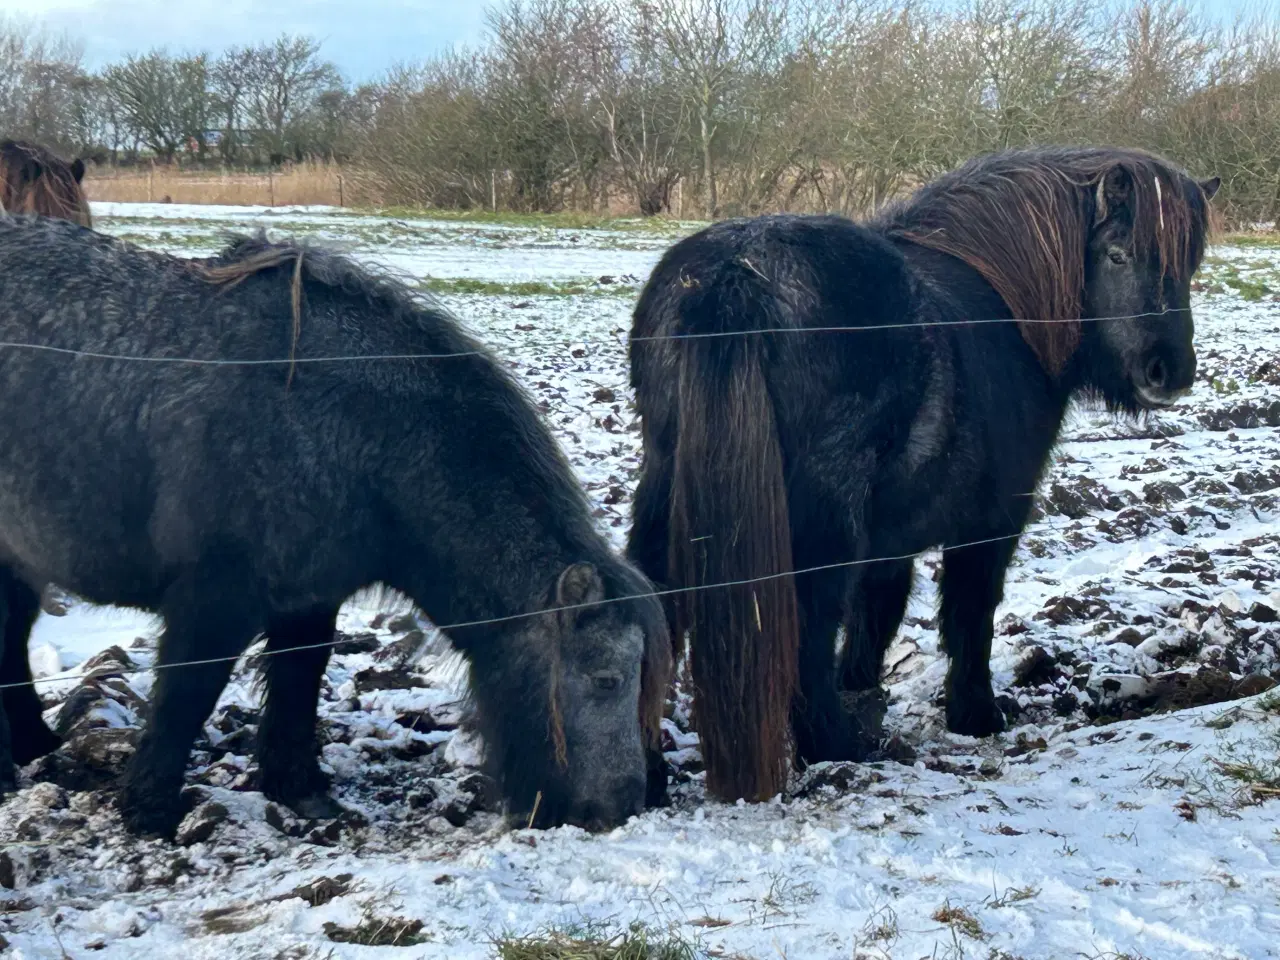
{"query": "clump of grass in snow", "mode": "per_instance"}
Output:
(960, 920)
(635, 943)
(1247, 770)
(1012, 896)
(881, 928)
(378, 932)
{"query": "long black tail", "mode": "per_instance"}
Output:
(730, 523)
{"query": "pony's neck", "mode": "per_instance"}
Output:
(501, 559)
(963, 294)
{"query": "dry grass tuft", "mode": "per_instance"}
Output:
(635, 943)
(960, 920)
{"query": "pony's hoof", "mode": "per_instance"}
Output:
(975, 718)
(146, 814)
(318, 806)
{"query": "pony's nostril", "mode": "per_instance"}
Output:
(1156, 374)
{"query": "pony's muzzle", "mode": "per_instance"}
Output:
(1162, 380)
(599, 814)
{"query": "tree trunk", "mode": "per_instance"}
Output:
(712, 199)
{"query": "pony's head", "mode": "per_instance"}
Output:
(568, 723)
(33, 180)
(1092, 251)
(1147, 239)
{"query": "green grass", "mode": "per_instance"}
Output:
(568, 220)
(637, 942)
(1220, 276)
(1265, 241)
(169, 239)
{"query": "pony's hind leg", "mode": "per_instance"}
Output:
(972, 587)
(822, 728)
(212, 612)
(30, 736)
(298, 648)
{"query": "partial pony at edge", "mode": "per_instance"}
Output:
(730, 522)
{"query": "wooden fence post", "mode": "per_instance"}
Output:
(271, 185)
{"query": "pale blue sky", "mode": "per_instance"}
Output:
(363, 37)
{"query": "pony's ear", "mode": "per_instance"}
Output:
(77, 169)
(1210, 187)
(1115, 190)
(579, 584)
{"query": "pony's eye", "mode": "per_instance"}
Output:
(606, 682)
(1116, 255)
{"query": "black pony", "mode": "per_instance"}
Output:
(256, 497)
(771, 447)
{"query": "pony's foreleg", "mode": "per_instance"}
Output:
(972, 587)
(874, 609)
(31, 737)
(212, 613)
(287, 747)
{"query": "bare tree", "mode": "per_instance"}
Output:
(41, 85)
(229, 79)
(639, 108)
(712, 45)
(537, 98)
(284, 80)
(163, 99)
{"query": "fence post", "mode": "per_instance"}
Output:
(151, 181)
(493, 190)
(271, 185)
(340, 199)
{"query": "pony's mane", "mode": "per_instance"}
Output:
(248, 256)
(33, 180)
(1022, 219)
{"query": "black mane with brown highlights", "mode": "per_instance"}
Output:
(901, 420)
(1022, 219)
(34, 180)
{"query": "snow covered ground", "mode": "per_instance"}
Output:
(1130, 810)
